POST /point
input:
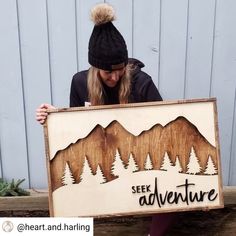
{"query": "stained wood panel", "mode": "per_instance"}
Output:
(176, 139)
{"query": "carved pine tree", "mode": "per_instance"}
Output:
(86, 175)
(177, 166)
(117, 166)
(67, 178)
(193, 166)
(210, 168)
(148, 163)
(166, 164)
(100, 178)
(132, 166)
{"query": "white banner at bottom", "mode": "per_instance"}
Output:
(46, 226)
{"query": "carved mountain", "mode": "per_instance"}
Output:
(176, 138)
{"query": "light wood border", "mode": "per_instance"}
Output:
(141, 104)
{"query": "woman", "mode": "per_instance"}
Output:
(103, 87)
(128, 84)
(111, 79)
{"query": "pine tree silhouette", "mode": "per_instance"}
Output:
(193, 166)
(67, 178)
(210, 168)
(132, 166)
(100, 178)
(166, 164)
(86, 175)
(148, 163)
(117, 166)
(177, 166)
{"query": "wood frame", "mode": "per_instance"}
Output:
(97, 162)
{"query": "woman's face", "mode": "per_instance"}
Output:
(111, 78)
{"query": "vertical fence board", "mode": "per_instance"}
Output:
(173, 48)
(224, 76)
(62, 40)
(199, 48)
(232, 172)
(36, 80)
(146, 38)
(12, 119)
(124, 14)
(84, 29)
(1, 174)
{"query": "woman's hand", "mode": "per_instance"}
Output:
(41, 112)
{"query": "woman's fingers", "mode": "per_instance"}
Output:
(41, 112)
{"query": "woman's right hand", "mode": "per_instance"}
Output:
(41, 112)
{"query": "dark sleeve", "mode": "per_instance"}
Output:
(144, 89)
(74, 96)
(78, 90)
(150, 92)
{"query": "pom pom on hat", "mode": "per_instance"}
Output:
(102, 13)
(107, 47)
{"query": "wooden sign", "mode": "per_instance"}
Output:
(133, 159)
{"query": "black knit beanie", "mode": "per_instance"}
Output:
(107, 47)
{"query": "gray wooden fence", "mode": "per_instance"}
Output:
(188, 46)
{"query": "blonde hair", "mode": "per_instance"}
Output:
(95, 87)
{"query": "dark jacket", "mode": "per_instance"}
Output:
(142, 88)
